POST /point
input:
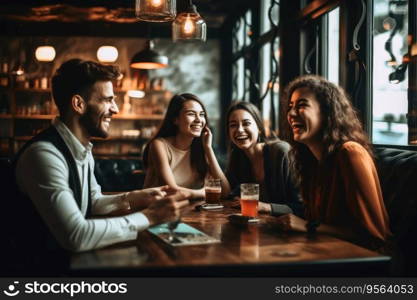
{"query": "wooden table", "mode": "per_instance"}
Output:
(245, 250)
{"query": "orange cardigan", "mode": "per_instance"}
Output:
(350, 195)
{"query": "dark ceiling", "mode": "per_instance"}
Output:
(101, 17)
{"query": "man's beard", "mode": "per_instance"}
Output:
(92, 123)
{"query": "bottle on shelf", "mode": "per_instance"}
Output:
(4, 73)
(44, 82)
(19, 72)
(4, 104)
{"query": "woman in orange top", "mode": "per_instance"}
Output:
(333, 165)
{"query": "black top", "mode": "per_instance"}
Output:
(277, 188)
(280, 190)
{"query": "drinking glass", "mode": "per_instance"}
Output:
(249, 198)
(213, 189)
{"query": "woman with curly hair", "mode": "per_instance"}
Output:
(333, 165)
(180, 154)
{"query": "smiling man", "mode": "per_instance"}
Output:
(55, 170)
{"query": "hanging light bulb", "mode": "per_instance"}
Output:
(45, 53)
(156, 10)
(189, 25)
(107, 54)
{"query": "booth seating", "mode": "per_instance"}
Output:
(397, 170)
(118, 175)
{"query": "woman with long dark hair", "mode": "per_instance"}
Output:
(333, 165)
(254, 159)
(181, 154)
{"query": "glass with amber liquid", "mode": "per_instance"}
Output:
(249, 198)
(213, 189)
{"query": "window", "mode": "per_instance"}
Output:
(269, 55)
(241, 39)
(255, 66)
(239, 80)
(390, 78)
(333, 47)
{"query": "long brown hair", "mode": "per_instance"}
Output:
(340, 124)
(168, 128)
(239, 168)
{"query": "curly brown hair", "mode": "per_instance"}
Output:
(340, 124)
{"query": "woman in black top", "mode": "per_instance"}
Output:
(252, 159)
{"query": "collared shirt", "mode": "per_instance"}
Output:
(42, 173)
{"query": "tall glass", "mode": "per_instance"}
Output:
(249, 198)
(213, 189)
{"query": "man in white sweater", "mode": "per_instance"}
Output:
(55, 169)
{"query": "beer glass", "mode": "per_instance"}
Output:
(249, 197)
(213, 189)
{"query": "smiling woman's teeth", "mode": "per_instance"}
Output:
(241, 138)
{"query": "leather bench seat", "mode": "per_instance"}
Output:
(115, 175)
(397, 170)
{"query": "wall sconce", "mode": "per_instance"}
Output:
(156, 10)
(45, 53)
(107, 54)
(189, 25)
(149, 59)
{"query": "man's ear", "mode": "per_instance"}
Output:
(78, 104)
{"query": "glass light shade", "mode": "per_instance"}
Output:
(189, 26)
(107, 54)
(45, 53)
(148, 59)
(156, 10)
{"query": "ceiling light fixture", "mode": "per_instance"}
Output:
(107, 54)
(189, 25)
(45, 53)
(156, 10)
(148, 58)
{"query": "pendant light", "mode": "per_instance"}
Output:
(148, 59)
(107, 54)
(45, 53)
(189, 25)
(156, 10)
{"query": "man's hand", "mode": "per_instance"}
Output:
(290, 222)
(141, 199)
(166, 209)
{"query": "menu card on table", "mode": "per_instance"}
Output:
(184, 235)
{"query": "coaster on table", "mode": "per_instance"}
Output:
(211, 206)
(239, 219)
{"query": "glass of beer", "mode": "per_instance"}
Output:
(249, 198)
(213, 189)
